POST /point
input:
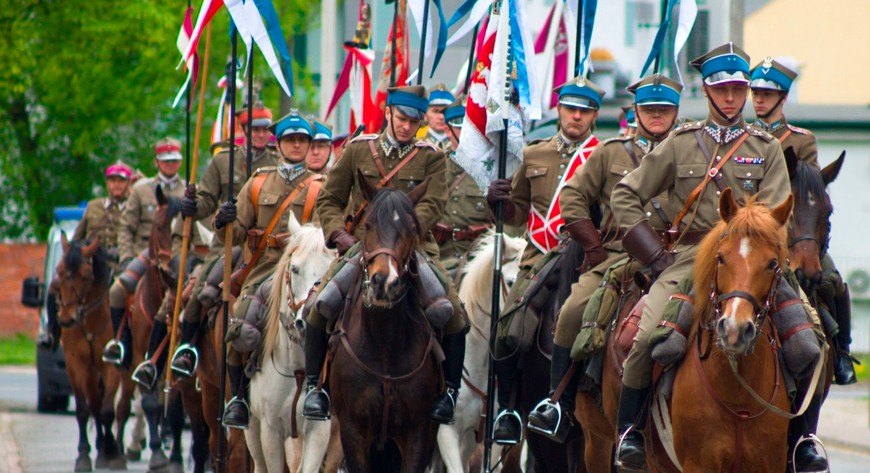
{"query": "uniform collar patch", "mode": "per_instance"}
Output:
(643, 144)
(290, 171)
(770, 128)
(400, 151)
(564, 144)
(724, 134)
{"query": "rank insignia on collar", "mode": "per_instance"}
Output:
(748, 160)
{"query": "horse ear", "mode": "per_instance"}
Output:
(418, 192)
(830, 172)
(368, 191)
(64, 241)
(728, 207)
(92, 248)
(161, 197)
(293, 225)
(782, 212)
(791, 161)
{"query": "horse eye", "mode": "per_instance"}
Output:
(294, 269)
(720, 259)
(772, 265)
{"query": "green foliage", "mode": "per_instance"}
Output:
(88, 82)
(18, 350)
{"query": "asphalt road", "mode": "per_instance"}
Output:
(40, 443)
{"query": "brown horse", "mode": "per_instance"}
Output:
(83, 279)
(383, 375)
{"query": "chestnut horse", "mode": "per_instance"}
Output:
(83, 278)
(383, 374)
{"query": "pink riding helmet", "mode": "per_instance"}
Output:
(119, 169)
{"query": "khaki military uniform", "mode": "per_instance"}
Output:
(343, 187)
(803, 141)
(466, 216)
(441, 142)
(591, 185)
(100, 220)
(676, 167)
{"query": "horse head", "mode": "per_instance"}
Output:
(391, 234)
(737, 270)
(160, 240)
(810, 227)
(79, 272)
(309, 259)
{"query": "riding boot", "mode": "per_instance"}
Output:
(236, 412)
(508, 426)
(631, 420)
(51, 338)
(115, 351)
(454, 357)
(316, 405)
(184, 360)
(146, 373)
(802, 440)
(550, 419)
(844, 370)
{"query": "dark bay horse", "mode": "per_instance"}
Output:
(83, 279)
(383, 374)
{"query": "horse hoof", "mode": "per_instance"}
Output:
(102, 461)
(83, 463)
(133, 455)
(158, 460)
(175, 467)
(118, 463)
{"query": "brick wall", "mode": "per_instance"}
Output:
(18, 261)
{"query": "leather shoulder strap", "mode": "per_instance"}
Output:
(709, 157)
(785, 135)
(277, 218)
(629, 148)
(256, 186)
(377, 159)
(456, 182)
(311, 199)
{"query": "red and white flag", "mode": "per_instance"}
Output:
(206, 12)
(551, 46)
(356, 76)
(192, 65)
(399, 31)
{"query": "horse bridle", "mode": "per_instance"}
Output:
(80, 298)
(403, 268)
(823, 247)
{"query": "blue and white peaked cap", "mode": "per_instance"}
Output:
(322, 131)
(412, 100)
(656, 89)
(772, 75)
(630, 119)
(580, 92)
(292, 124)
(439, 95)
(454, 114)
(727, 63)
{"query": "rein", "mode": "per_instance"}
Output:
(82, 310)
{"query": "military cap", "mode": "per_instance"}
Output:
(322, 131)
(439, 95)
(412, 100)
(770, 74)
(261, 116)
(292, 124)
(630, 120)
(580, 92)
(727, 63)
(168, 149)
(119, 169)
(454, 114)
(656, 89)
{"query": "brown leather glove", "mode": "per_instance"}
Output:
(500, 191)
(644, 244)
(341, 240)
(584, 232)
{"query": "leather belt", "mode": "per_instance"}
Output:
(692, 237)
(444, 232)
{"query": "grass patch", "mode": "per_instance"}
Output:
(862, 370)
(17, 350)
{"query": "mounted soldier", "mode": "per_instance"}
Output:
(770, 84)
(436, 132)
(532, 198)
(466, 215)
(134, 229)
(396, 159)
(320, 152)
(747, 160)
(656, 106)
(201, 202)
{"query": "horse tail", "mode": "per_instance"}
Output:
(273, 305)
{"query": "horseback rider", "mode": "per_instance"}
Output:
(395, 152)
(100, 220)
(200, 202)
(321, 148)
(678, 166)
(770, 84)
(134, 229)
(532, 198)
(657, 101)
(261, 223)
(466, 215)
(628, 121)
(436, 132)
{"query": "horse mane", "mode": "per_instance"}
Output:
(387, 203)
(478, 271)
(307, 240)
(809, 180)
(74, 258)
(754, 220)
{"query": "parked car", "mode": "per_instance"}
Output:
(53, 387)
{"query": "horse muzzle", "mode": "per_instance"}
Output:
(736, 336)
(382, 291)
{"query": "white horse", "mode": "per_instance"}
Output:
(275, 386)
(457, 442)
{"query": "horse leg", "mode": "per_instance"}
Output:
(238, 450)
(176, 426)
(355, 446)
(192, 402)
(151, 407)
(83, 414)
(449, 446)
(417, 449)
(255, 440)
(122, 413)
(272, 447)
(111, 445)
(137, 437)
(317, 439)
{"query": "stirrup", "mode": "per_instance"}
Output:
(814, 439)
(509, 413)
(141, 368)
(328, 403)
(247, 408)
(121, 353)
(563, 425)
(185, 347)
(616, 461)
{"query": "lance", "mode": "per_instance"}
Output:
(192, 158)
(422, 42)
(501, 170)
(228, 250)
(470, 67)
(393, 40)
(250, 128)
(578, 40)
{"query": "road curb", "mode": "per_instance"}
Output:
(10, 462)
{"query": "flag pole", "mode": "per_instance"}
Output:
(470, 67)
(249, 159)
(578, 40)
(393, 39)
(228, 252)
(193, 157)
(422, 42)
